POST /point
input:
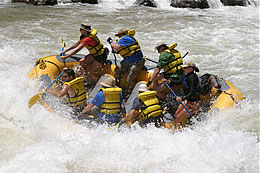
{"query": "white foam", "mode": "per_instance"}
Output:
(34, 140)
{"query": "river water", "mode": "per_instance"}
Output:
(222, 40)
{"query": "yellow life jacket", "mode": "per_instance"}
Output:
(112, 103)
(128, 50)
(153, 109)
(80, 92)
(99, 48)
(174, 65)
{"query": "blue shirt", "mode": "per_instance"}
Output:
(135, 57)
(98, 101)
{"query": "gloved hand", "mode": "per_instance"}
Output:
(109, 40)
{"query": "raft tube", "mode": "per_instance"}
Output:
(49, 67)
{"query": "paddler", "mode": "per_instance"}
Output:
(145, 108)
(191, 99)
(128, 47)
(74, 90)
(170, 61)
(97, 51)
(108, 101)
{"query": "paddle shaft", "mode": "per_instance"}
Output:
(62, 49)
(55, 80)
(117, 125)
(177, 96)
(157, 62)
(150, 60)
(114, 55)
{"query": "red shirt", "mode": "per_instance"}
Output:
(88, 41)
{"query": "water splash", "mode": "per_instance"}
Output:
(215, 3)
(38, 141)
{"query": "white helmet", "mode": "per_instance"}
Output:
(143, 87)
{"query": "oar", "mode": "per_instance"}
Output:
(36, 97)
(157, 62)
(177, 96)
(185, 55)
(114, 55)
(150, 60)
(109, 40)
(117, 125)
(62, 49)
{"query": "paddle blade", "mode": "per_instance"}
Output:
(63, 43)
(113, 128)
(118, 124)
(33, 100)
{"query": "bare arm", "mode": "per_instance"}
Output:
(88, 108)
(131, 117)
(116, 46)
(79, 47)
(155, 73)
(60, 93)
(72, 47)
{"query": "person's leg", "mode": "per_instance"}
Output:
(131, 77)
(120, 70)
(135, 69)
(181, 118)
(156, 79)
(91, 70)
(88, 59)
(179, 109)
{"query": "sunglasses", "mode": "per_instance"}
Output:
(186, 67)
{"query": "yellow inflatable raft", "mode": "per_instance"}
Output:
(49, 67)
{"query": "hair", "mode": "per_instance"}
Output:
(196, 69)
(70, 72)
(165, 47)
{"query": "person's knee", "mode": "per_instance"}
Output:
(158, 77)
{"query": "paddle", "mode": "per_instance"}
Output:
(109, 40)
(114, 55)
(157, 62)
(36, 97)
(62, 49)
(150, 60)
(177, 96)
(117, 125)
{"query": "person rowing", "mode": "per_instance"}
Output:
(74, 90)
(145, 108)
(97, 51)
(128, 47)
(170, 61)
(107, 102)
(191, 98)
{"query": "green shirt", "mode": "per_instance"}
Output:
(164, 59)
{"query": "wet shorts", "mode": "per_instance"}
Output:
(109, 118)
(102, 58)
(193, 107)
